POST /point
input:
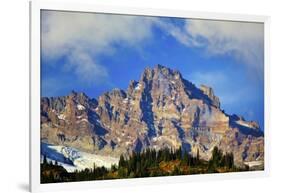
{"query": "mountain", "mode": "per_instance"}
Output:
(160, 110)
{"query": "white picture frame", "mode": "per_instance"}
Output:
(36, 6)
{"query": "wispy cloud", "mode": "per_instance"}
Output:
(244, 41)
(82, 37)
(241, 40)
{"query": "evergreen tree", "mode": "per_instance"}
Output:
(121, 161)
(185, 158)
(45, 160)
(179, 153)
(197, 157)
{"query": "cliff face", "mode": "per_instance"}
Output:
(160, 110)
(210, 93)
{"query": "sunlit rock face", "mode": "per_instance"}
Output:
(160, 110)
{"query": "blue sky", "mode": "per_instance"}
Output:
(95, 53)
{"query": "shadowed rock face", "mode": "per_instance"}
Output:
(160, 110)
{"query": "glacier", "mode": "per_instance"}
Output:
(72, 159)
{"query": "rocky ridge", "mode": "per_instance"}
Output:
(160, 110)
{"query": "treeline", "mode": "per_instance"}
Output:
(52, 172)
(148, 163)
(220, 160)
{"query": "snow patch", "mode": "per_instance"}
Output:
(154, 139)
(61, 116)
(125, 100)
(80, 107)
(244, 123)
(128, 143)
(253, 163)
(79, 117)
(85, 120)
(82, 120)
(138, 87)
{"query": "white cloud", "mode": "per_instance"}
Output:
(86, 68)
(179, 33)
(81, 37)
(242, 40)
(225, 37)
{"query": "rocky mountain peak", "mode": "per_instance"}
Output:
(160, 71)
(166, 81)
(163, 70)
(160, 110)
